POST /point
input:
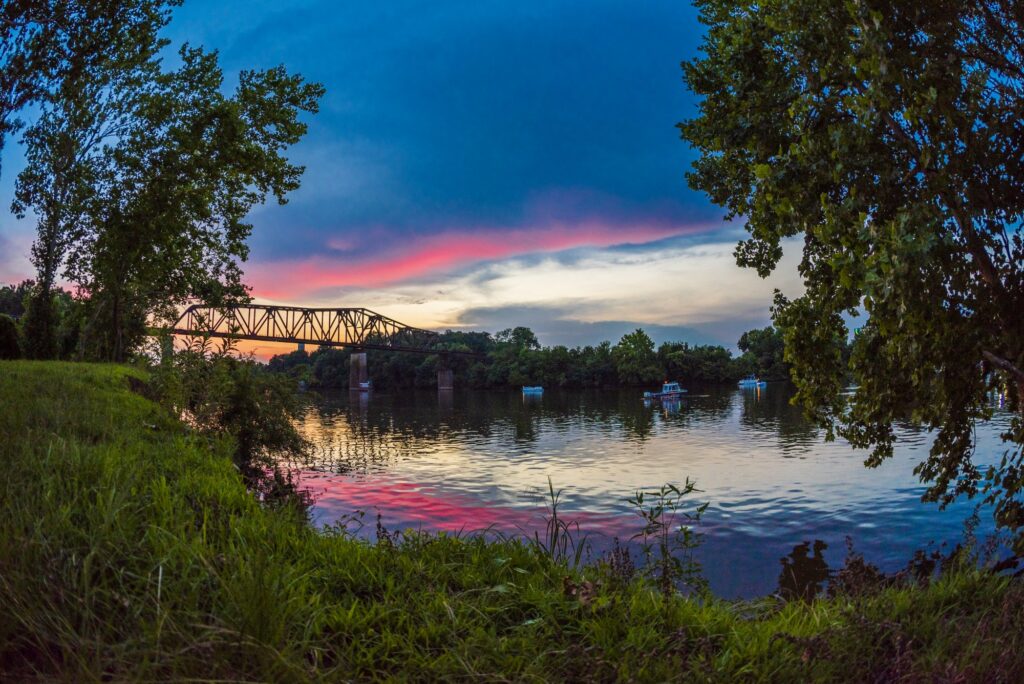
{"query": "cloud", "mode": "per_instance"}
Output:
(555, 325)
(677, 288)
(394, 258)
(443, 117)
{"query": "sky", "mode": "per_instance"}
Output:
(480, 165)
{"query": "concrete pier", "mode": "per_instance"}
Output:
(357, 372)
(445, 379)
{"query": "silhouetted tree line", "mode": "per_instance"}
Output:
(514, 357)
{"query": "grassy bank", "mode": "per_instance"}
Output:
(130, 550)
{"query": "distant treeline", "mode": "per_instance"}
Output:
(516, 358)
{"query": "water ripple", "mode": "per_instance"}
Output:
(485, 459)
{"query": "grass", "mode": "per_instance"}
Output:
(130, 550)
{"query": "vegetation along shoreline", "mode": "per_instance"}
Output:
(133, 550)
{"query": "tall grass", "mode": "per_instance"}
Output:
(130, 550)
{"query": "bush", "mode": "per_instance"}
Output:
(9, 348)
(219, 394)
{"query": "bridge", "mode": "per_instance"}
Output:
(358, 329)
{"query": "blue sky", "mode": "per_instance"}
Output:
(483, 164)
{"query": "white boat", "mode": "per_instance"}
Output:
(751, 381)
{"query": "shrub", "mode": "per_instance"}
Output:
(9, 348)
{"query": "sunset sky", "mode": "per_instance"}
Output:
(481, 165)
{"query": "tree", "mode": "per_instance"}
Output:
(167, 221)
(39, 326)
(888, 136)
(635, 360)
(12, 298)
(64, 147)
(699, 363)
(765, 349)
(519, 337)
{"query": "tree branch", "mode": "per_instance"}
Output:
(1004, 365)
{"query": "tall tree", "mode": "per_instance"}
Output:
(98, 54)
(890, 136)
(166, 220)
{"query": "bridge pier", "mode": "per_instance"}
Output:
(445, 375)
(357, 372)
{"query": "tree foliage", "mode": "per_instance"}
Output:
(635, 360)
(47, 45)
(141, 179)
(12, 298)
(704, 363)
(169, 221)
(889, 137)
(764, 349)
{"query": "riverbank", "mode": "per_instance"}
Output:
(130, 550)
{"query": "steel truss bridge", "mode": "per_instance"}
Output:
(359, 329)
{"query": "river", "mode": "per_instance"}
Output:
(468, 461)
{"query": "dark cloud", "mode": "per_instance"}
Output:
(463, 114)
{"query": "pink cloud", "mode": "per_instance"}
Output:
(403, 258)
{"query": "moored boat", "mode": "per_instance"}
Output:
(532, 390)
(669, 390)
(751, 381)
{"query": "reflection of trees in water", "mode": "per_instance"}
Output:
(769, 407)
(803, 573)
(634, 417)
(361, 433)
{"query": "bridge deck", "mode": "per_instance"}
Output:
(356, 328)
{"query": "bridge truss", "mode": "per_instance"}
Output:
(354, 328)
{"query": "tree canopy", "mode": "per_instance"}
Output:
(141, 177)
(889, 137)
(47, 45)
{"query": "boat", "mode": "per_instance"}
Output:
(751, 381)
(366, 386)
(669, 390)
(533, 390)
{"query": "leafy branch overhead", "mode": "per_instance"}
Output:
(888, 136)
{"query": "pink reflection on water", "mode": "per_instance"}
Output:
(407, 504)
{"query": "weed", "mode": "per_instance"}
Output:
(563, 541)
(668, 538)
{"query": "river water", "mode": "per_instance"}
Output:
(468, 461)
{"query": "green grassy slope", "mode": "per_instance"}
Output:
(131, 551)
